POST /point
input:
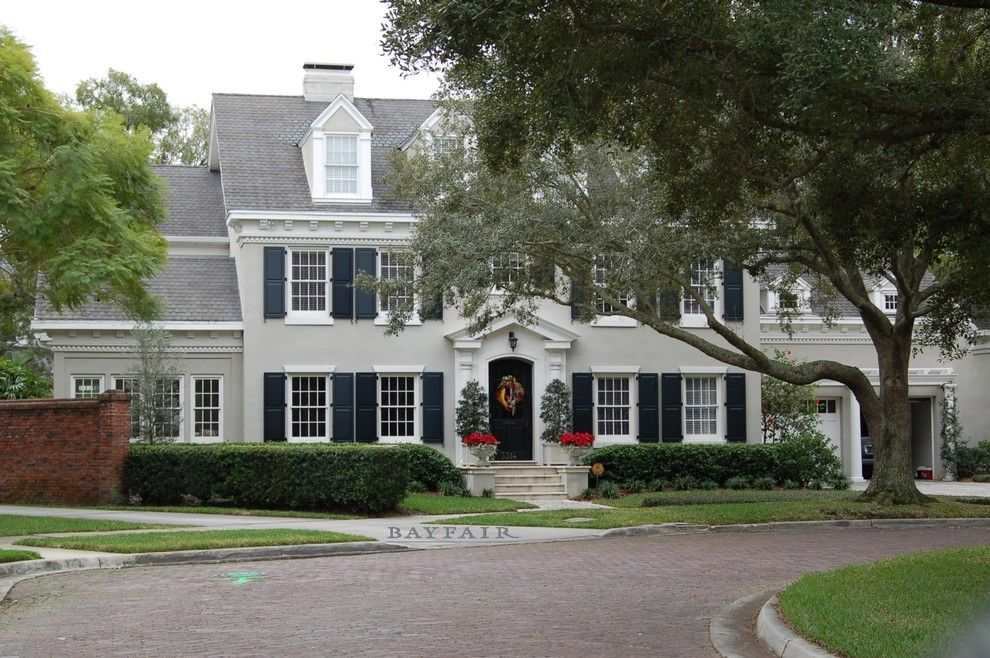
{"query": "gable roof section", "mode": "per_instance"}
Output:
(195, 202)
(262, 165)
(192, 288)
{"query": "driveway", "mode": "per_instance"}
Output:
(633, 596)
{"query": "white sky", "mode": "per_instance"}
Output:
(194, 48)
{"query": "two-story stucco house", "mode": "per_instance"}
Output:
(274, 344)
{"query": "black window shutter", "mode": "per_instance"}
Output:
(576, 298)
(649, 407)
(670, 406)
(343, 406)
(274, 266)
(364, 300)
(343, 277)
(735, 406)
(366, 406)
(432, 407)
(431, 308)
(732, 292)
(669, 304)
(274, 394)
(582, 402)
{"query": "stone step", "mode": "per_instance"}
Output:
(530, 497)
(525, 471)
(526, 479)
(513, 490)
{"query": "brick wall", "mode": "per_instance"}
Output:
(64, 451)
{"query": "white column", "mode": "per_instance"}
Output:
(855, 465)
(465, 370)
(949, 390)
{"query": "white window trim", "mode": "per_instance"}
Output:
(308, 317)
(802, 293)
(381, 319)
(114, 379)
(417, 405)
(309, 370)
(182, 407)
(399, 370)
(618, 372)
(364, 192)
(72, 385)
(699, 319)
(328, 434)
(192, 407)
(704, 371)
(612, 320)
(878, 298)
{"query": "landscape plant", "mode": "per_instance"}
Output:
(555, 411)
(471, 416)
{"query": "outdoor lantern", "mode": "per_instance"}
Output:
(513, 341)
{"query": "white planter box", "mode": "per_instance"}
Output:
(554, 455)
(477, 479)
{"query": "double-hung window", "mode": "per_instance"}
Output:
(308, 281)
(508, 269)
(397, 406)
(398, 270)
(889, 302)
(207, 406)
(613, 406)
(702, 281)
(602, 277)
(129, 385)
(701, 407)
(309, 405)
(342, 164)
(87, 386)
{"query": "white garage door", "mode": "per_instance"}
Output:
(829, 420)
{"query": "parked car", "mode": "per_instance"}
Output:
(867, 457)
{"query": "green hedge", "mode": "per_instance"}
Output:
(271, 476)
(430, 467)
(794, 461)
(973, 460)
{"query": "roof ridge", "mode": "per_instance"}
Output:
(363, 98)
(180, 165)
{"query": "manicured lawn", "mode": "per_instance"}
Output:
(908, 606)
(154, 542)
(8, 555)
(12, 525)
(838, 507)
(702, 497)
(425, 503)
(234, 511)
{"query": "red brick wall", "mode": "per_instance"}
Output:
(64, 451)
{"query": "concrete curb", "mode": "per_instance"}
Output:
(880, 524)
(780, 639)
(730, 632)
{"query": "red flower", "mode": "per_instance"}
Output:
(577, 439)
(476, 439)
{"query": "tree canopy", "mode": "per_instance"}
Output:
(847, 142)
(79, 203)
(180, 134)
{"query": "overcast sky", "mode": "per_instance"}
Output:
(194, 48)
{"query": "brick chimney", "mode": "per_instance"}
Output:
(324, 82)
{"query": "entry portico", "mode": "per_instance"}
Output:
(543, 344)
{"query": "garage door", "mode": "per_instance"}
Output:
(829, 420)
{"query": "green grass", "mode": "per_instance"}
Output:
(841, 506)
(154, 542)
(703, 497)
(233, 511)
(425, 503)
(908, 606)
(13, 525)
(8, 555)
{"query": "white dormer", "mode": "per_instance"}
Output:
(434, 135)
(885, 297)
(337, 151)
(795, 299)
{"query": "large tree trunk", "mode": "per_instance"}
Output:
(889, 420)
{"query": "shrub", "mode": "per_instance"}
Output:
(805, 459)
(430, 467)
(840, 482)
(981, 477)
(659, 485)
(708, 485)
(738, 482)
(18, 380)
(764, 483)
(791, 484)
(608, 490)
(666, 461)
(685, 482)
(487, 493)
(415, 486)
(972, 460)
(635, 486)
(271, 476)
(450, 489)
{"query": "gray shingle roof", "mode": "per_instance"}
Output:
(262, 164)
(195, 201)
(192, 288)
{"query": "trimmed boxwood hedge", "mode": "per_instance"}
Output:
(430, 468)
(355, 478)
(781, 462)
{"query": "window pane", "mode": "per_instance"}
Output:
(397, 267)
(206, 407)
(342, 164)
(86, 387)
(397, 406)
(167, 408)
(702, 280)
(308, 281)
(613, 407)
(701, 406)
(601, 273)
(309, 407)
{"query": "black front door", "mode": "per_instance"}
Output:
(513, 428)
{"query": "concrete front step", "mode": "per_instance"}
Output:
(526, 479)
(524, 491)
(528, 497)
(505, 471)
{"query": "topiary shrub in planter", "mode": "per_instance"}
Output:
(430, 467)
(355, 478)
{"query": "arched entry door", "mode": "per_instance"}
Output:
(512, 427)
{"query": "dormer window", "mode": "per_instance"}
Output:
(342, 164)
(792, 299)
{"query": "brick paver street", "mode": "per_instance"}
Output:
(611, 597)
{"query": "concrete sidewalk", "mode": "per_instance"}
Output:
(939, 488)
(411, 531)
